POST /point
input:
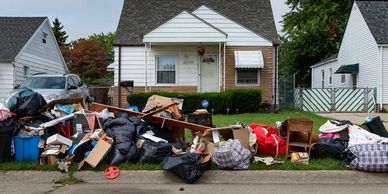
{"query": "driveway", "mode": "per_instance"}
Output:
(356, 118)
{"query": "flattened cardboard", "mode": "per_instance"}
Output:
(98, 153)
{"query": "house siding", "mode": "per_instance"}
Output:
(359, 46)
(6, 79)
(133, 61)
(237, 35)
(266, 73)
(316, 81)
(185, 28)
(38, 56)
(385, 74)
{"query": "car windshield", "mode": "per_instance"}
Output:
(44, 83)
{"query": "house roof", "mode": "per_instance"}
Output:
(14, 34)
(326, 60)
(140, 17)
(375, 14)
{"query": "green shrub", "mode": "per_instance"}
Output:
(245, 100)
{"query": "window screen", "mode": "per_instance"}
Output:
(247, 76)
(165, 68)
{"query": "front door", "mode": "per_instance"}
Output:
(209, 73)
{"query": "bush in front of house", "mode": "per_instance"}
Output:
(246, 100)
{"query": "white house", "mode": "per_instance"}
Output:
(362, 60)
(27, 47)
(157, 44)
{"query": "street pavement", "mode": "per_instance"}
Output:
(225, 182)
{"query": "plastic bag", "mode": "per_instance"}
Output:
(186, 166)
(5, 113)
(153, 152)
(114, 157)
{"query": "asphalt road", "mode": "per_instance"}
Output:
(197, 188)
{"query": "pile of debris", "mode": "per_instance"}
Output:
(68, 131)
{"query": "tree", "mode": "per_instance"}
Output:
(313, 30)
(87, 59)
(59, 33)
(106, 41)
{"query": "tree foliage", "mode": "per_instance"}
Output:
(87, 58)
(313, 30)
(106, 41)
(59, 33)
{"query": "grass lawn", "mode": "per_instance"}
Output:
(219, 121)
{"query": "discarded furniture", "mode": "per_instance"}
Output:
(299, 125)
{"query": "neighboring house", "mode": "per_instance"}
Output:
(362, 59)
(157, 43)
(27, 47)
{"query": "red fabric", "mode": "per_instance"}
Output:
(266, 141)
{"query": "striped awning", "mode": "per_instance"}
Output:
(348, 69)
(248, 59)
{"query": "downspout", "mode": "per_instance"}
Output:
(224, 82)
(119, 79)
(219, 66)
(146, 70)
(276, 76)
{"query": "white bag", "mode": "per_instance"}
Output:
(4, 112)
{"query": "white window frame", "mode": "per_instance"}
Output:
(44, 37)
(330, 76)
(344, 78)
(175, 68)
(26, 71)
(242, 84)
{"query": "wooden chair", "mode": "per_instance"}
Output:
(299, 125)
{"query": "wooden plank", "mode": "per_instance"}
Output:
(176, 123)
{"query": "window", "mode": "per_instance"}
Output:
(26, 71)
(70, 82)
(323, 78)
(343, 78)
(165, 69)
(247, 76)
(44, 37)
(330, 76)
(44, 83)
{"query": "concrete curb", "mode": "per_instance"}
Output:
(210, 177)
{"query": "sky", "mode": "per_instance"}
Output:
(82, 18)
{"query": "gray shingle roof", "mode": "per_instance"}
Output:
(141, 16)
(375, 14)
(14, 34)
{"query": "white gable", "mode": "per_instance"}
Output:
(237, 35)
(185, 27)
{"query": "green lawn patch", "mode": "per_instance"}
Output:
(219, 121)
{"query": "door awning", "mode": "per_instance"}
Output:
(348, 69)
(248, 59)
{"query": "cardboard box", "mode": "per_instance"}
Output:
(242, 134)
(98, 134)
(98, 153)
(63, 149)
(58, 140)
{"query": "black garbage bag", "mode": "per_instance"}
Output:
(376, 126)
(114, 157)
(328, 148)
(123, 131)
(156, 129)
(154, 152)
(7, 128)
(29, 105)
(186, 166)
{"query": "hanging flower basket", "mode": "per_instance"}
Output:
(200, 50)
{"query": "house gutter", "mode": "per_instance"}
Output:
(224, 81)
(119, 79)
